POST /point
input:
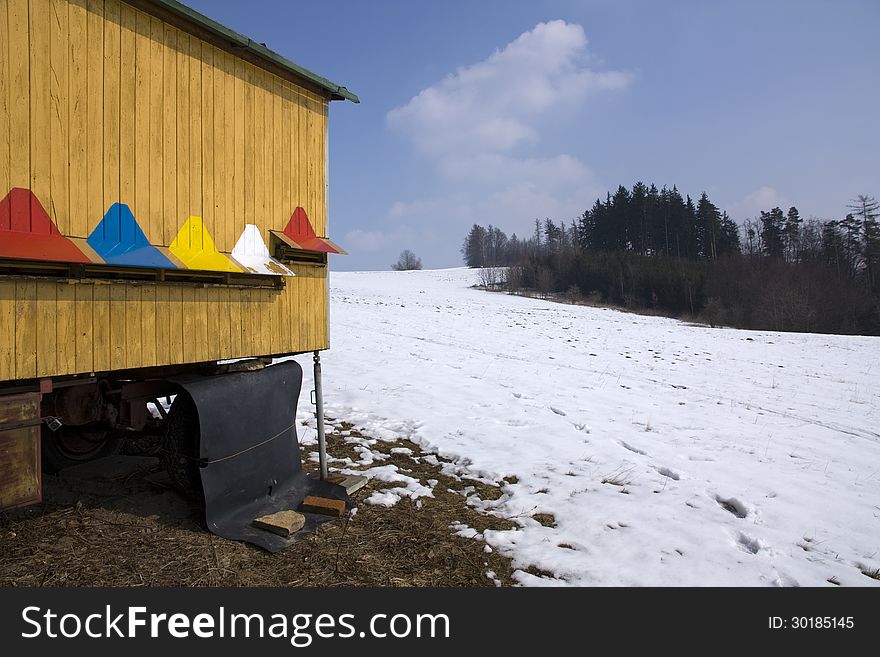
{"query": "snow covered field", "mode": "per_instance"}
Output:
(668, 454)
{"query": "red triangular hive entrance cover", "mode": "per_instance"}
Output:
(28, 233)
(300, 231)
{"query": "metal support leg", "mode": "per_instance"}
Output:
(319, 412)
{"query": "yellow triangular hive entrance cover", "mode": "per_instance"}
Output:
(195, 248)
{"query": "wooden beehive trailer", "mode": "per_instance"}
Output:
(163, 207)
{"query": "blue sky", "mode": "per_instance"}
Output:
(505, 111)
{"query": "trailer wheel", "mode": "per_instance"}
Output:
(180, 446)
(68, 446)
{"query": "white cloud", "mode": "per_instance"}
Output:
(481, 127)
(520, 204)
(763, 198)
(492, 105)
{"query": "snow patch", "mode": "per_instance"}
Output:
(763, 454)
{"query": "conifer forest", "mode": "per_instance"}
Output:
(656, 250)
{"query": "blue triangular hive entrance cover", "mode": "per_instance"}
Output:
(120, 241)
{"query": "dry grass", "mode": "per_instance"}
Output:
(546, 519)
(873, 574)
(130, 532)
(620, 477)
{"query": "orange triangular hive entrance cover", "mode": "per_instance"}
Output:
(28, 233)
(301, 235)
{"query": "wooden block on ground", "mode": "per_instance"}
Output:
(351, 483)
(283, 523)
(323, 505)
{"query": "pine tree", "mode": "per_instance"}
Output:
(707, 228)
(772, 226)
(852, 244)
(833, 246)
(638, 233)
(620, 220)
(691, 236)
(514, 250)
(656, 243)
(791, 234)
(585, 229)
(728, 237)
(552, 236)
(474, 247)
(680, 222)
(496, 246)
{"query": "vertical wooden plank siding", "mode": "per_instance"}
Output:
(4, 105)
(226, 170)
(101, 326)
(7, 328)
(175, 334)
(45, 336)
(206, 145)
(141, 205)
(224, 323)
(239, 170)
(111, 108)
(101, 103)
(169, 134)
(147, 310)
(78, 117)
(40, 123)
(7, 300)
(194, 127)
(236, 335)
(183, 119)
(94, 48)
(188, 335)
(59, 58)
(19, 131)
(133, 337)
(153, 224)
(65, 325)
(163, 325)
(25, 329)
(129, 81)
(212, 307)
(117, 315)
(202, 349)
(84, 323)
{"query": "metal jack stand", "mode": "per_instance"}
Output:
(351, 483)
(319, 412)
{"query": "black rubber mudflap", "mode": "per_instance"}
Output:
(249, 452)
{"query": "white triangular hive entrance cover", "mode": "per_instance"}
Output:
(252, 254)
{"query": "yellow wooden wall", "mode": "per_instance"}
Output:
(102, 103)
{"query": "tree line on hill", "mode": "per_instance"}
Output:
(653, 249)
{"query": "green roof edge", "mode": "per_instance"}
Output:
(337, 92)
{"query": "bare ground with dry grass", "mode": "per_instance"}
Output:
(129, 531)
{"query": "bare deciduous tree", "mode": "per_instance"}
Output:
(492, 278)
(407, 261)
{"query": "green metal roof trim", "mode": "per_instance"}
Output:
(337, 92)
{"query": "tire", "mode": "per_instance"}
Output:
(180, 447)
(69, 446)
